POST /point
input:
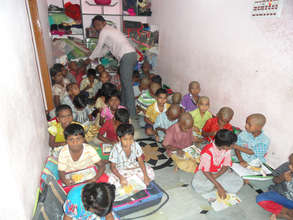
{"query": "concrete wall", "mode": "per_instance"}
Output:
(23, 129)
(241, 61)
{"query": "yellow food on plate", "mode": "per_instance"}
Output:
(77, 177)
(256, 169)
(128, 189)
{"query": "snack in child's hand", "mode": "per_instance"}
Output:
(128, 189)
(77, 177)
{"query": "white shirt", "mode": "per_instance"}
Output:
(111, 39)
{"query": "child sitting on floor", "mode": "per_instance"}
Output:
(82, 110)
(126, 159)
(90, 84)
(279, 199)
(147, 98)
(189, 101)
(105, 77)
(146, 68)
(65, 72)
(112, 104)
(64, 117)
(77, 155)
(254, 140)
(154, 110)
(201, 114)
(176, 98)
(75, 71)
(222, 120)
(100, 68)
(166, 120)
(157, 79)
(90, 201)
(141, 87)
(213, 170)
(72, 91)
(59, 84)
(107, 133)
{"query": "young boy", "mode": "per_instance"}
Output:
(279, 199)
(189, 101)
(65, 72)
(146, 67)
(105, 77)
(201, 114)
(222, 120)
(147, 98)
(126, 159)
(64, 117)
(142, 87)
(254, 140)
(100, 68)
(166, 120)
(77, 155)
(72, 90)
(176, 98)
(213, 170)
(154, 110)
(90, 84)
(74, 70)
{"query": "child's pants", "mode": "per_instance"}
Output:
(230, 181)
(273, 202)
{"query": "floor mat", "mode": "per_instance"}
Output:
(155, 155)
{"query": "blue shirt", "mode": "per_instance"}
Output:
(162, 121)
(259, 145)
(73, 206)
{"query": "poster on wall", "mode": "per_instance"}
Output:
(267, 8)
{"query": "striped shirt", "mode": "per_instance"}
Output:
(89, 157)
(145, 100)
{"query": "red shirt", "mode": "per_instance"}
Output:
(212, 125)
(109, 129)
(78, 76)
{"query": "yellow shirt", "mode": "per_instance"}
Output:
(55, 129)
(199, 121)
(153, 111)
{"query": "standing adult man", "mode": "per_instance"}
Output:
(111, 39)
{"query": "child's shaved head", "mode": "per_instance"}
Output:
(146, 81)
(185, 121)
(225, 113)
(193, 84)
(257, 119)
(203, 99)
(173, 112)
(154, 87)
(176, 98)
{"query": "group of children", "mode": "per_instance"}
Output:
(175, 121)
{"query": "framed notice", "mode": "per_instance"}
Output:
(267, 8)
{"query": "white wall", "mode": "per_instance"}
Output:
(23, 129)
(241, 61)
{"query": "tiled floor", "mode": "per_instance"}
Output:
(186, 204)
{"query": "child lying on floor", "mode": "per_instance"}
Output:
(222, 121)
(126, 159)
(77, 155)
(254, 140)
(279, 199)
(213, 170)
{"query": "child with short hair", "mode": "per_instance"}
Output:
(254, 140)
(214, 168)
(56, 130)
(75, 71)
(176, 98)
(107, 133)
(157, 79)
(146, 67)
(59, 84)
(154, 110)
(189, 101)
(126, 159)
(147, 98)
(201, 114)
(279, 199)
(222, 121)
(90, 201)
(112, 104)
(105, 77)
(72, 91)
(100, 68)
(142, 87)
(77, 155)
(90, 84)
(65, 72)
(82, 113)
(166, 120)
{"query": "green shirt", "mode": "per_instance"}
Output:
(199, 121)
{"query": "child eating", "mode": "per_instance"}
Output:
(279, 199)
(126, 159)
(222, 120)
(155, 109)
(107, 133)
(254, 140)
(189, 101)
(77, 155)
(213, 170)
(166, 120)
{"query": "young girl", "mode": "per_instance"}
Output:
(72, 91)
(213, 170)
(126, 160)
(189, 101)
(59, 84)
(90, 84)
(107, 133)
(112, 104)
(77, 155)
(90, 201)
(82, 111)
